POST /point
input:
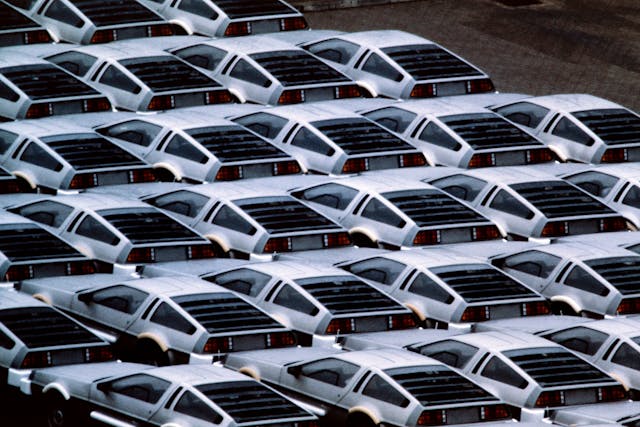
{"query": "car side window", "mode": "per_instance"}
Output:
(191, 405)
(335, 196)
(375, 64)
(7, 93)
(182, 202)
(74, 62)
(46, 212)
(6, 140)
(202, 55)
(378, 211)
(632, 198)
(524, 113)
(380, 270)
(536, 263)
(167, 316)
(198, 7)
(115, 78)
(449, 352)
(380, 389)
(61, 12)
(579, 278)
(290, 298)
(141, 387)
(426, 287)
(181, 147)
(94, 229)
(461, 186)
(121, 298)
(244, 281)
(394, 119)
(263, 124)
(627, 356)
(597, 183)
(248, 73)
(331, 371)
(335, 50)
(36, 155)
(134, 131)
(310, 141)
(565, 128)
(498, 370)
(228, 218)
(434, 134)
(583, 340)
(505, 202)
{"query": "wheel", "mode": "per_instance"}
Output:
(149, 353)
(362, 241)
(360, 420)
(59, 412)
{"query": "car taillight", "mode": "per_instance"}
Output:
(278, 244)
(611, 394)
(550, 398)
(334, 240)
(39, 359)
(341, 326)
(553, 229)
(40, 36)
(78, 268)
(286, 168)
(482, 160)
(629, 306)
(141, 255)
(427, 237)
(401, 321)
(424, 91)
(163, 102)
(412, 160)
(494, 412)
(103, 36)
(613, 224)
(96, 104)
(355, 166)
(141, 175)
(218, 97)
(480, 86)
(292, 24)
(280, 339)
(229, 173)
(291, 97)
(476, 314)
(98, 354)
(615, 155)
(160, 30)
(435, 417)
(218, 345)
(238, 29)
(200, 252)
(39, 110)
(83, 180)
(18, 272)
(543, 155)
(535, 308)
(348, 91)
(485, 232)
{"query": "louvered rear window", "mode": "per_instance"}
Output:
(233, 143)
(292, 67)
(614, 126)
(26, 242)
(236, 9)
(147, 226)
(488, 130)
(88, 151)
(14, 20)
(163, 73)
(358, 136)
(42, 81)
(428, 61)
(621, 272)
(111, 12)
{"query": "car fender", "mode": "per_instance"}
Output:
(567, 300)
(187, 27)
(416, 311)
(57, 387)
(155, 338)
(27, 177)
(217, 240)
(235, 92)
(368, 87)
(250, 372)
(174, 171)
(41, 297)
(366, 232)
(366, 411)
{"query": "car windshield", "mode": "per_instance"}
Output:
(487, 130)
(162, 73)
(358, 136)
(293, 67)
(429, 61)
(613, 125)
(14, 20)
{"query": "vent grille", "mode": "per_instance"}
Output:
(250, 401)
(111, 12)
(486, 130)
(236, 9)
(359, 136)
(342, 295)
(551, 367)
(148, 226)
(559, 199)
(232, 143)
(621, 272)
(30, 242)
(162, 73)
(14, 20)
(285, 215)
(428, 61)
(90, 152)
(479, 282)
(614, 126)
(39, 327)
(42, 81)
(293, 68)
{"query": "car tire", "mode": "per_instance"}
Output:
(59, 412)
(360, 420)
(149, 353)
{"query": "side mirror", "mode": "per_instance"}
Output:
(86, 298)
(294, 370)
(104, 387)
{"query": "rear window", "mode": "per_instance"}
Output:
(614, 126)
(297, 67)
(359, 135)
(164, 73)
(429, 61)
(43, 81)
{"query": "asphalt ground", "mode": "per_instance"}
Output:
(558, 46)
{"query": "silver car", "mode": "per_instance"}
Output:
(34, 88)
(163, 320)
(139, 78)
(329, 139)
(18, 29)
(579, 127)
(392, 212)
(129, 394)
(620, 413)
(58, 154)
(397, 64)
(191, 145)
(229, 18)
(374, 388)
(265, 70)
(116, 229)
(88, 21)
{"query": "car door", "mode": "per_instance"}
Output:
(308, 146)
(184, 156)
(508, 211)
(248, 80)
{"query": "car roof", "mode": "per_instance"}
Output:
(197, 374)
(385, 38)
(532, 325)
(501, 341)
(120, 50)
(294, 270)
(512, 174)
(200, 267)
(11, 218)
(570, 102)
(46, 126)
(247, 189)
(160, 43)
(630, 170)
(251, 44)
(180, 119)
(11, 57)
(624, 326)
(401, 338)
(432, 257)
(95, 201)
(440, 107)
(11, 299)
(584, 251)
(387, 358)
(313, 112)
(381, 184)
(305, 36)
